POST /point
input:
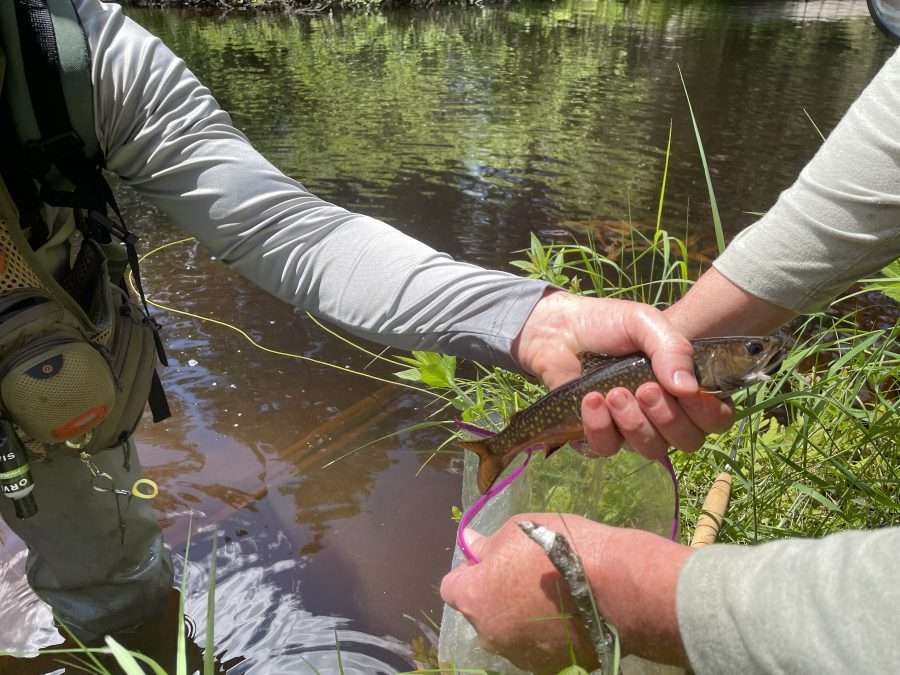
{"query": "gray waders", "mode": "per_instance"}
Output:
(78, 563)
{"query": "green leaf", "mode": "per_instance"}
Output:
(525, 266)
(573, 670)
(434, 370)
(818, 496)
(412, 374)
(890, 283)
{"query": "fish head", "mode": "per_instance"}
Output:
(726, 364)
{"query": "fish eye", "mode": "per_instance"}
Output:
(754, 348)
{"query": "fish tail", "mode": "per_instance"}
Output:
(489, 465)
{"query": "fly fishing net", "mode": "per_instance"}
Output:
(626, 490)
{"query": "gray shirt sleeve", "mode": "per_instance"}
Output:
(794, 606)
(841, 220)
(165, 135)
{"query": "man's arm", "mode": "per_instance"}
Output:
(794, 606)
(840, 221)
(164, 134)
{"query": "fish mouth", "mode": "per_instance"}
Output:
(784, 346)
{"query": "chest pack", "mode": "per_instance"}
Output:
(78, 354)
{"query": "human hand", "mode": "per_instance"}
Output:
(520, 606)
(672, 412)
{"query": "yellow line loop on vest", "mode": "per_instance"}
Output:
(144, 488)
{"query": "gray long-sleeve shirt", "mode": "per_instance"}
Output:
(164, 134)
(805, 606)
(840, 220)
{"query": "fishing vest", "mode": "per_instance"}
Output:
(78, 354)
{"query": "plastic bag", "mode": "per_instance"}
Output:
(624, 490)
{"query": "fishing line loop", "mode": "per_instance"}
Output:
(291, 355)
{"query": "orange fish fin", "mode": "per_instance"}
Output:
(489, 465)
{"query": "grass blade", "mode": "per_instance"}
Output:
(713, 204)
(662, 190)
(337, 648)
(181, 665)
(84, 650)
(125, 658)
(209, 655)
(815, 126)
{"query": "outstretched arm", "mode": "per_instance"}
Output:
(165, 135)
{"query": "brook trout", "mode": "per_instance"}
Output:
(722, 366)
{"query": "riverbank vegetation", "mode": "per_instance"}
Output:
(302, 6)
(821, 446)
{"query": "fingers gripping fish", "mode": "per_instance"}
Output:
(722, 366)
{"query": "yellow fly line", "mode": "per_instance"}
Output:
(269, 350)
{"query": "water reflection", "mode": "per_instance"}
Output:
(514, 120)
(467, 128)
(260, 628)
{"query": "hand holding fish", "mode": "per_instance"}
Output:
(515, 597)
(672, 412)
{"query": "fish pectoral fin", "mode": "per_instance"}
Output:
(550, 449)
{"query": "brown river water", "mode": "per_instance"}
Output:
(468, 128)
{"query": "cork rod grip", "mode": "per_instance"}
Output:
(714, 507)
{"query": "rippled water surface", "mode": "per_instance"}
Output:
(468, 128)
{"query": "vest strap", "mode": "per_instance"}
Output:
(60, 145)
(159, 404)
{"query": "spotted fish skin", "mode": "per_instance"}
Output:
(722, 366)
(561, 408)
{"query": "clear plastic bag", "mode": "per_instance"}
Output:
(624, 490)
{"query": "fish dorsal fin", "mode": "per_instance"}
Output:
(593, 360)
